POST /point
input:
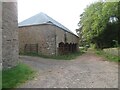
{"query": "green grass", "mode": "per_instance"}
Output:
(0, 79)
(108, 56)
(17, 75)
(68, 56)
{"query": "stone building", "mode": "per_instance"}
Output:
(44, 35)
(9, 34)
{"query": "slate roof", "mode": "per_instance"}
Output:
(42, 18)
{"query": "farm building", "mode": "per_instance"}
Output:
(44, 35)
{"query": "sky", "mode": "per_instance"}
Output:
(66, 12)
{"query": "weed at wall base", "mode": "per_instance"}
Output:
(68, 56)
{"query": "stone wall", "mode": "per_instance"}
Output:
(43, 35)
(60, 37)
(0, 35)
(113, 51)
(9, 34)
(46, 36)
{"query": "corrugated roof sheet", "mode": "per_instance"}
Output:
(42, 18)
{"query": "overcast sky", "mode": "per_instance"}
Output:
(66, 12)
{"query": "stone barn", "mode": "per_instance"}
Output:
(9, 29)
(42, 34)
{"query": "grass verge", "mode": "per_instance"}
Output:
(15, 76)
(68, 56)
(108, 56)
(0, 79)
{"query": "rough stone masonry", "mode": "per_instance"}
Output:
(0, 36)
(9, 34)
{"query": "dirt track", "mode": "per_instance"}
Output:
(86, 71)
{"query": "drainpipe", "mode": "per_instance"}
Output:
(65, 37)
(55, 43)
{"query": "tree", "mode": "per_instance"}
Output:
(95, 23)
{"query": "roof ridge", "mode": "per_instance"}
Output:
(42, 18)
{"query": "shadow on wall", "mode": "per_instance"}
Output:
(65, 48)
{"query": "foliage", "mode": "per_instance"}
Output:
(14, 76)
(68, 56)
(99, 24)
(109, 37)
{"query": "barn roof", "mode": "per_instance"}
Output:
(42, 18)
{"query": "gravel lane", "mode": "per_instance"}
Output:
(86, 71)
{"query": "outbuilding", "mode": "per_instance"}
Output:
(44, 35)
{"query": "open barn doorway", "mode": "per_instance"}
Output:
(65, 48)
(61, 48)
